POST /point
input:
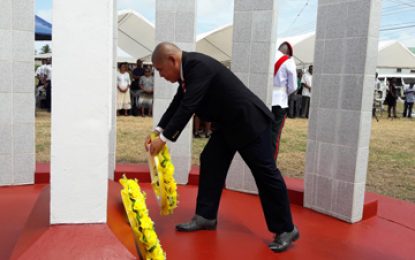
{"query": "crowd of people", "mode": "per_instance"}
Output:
(135, 97)
(44, 85)
(394, 90)
(291, 95)
(299, 100)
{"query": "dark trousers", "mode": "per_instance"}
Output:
(280, 114)
(214, 165)
(392, 110)
(407, 112)
(305, 106)
(294, 105)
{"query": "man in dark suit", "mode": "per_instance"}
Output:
(243, 124)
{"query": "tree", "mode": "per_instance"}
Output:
(45, 49)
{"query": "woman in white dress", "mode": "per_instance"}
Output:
(146, 96)
(123, 87)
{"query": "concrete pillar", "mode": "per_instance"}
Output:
(112, 160)
(341, 103)
(82, 109)
(254, 40)
(175, 22)
(17, 99)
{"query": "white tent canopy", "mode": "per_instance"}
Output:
(43, 56)
(123, 56)
(393, 54)
(303, 47)
(136, 40)
(136, 35)
(216, 43)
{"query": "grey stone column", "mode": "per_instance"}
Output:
(254, 40)
(112, 160)
(341, 103)
(175, 22)
(17, 98)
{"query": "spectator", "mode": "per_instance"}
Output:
(138, 71)
(375, 94)
(40, 87)
(123, 86)
(409, 100)
(135, 91)
(48, 84)
(206, 129)
(294, 100)
(285, 83)
(40, 73)
(306, 82)
(146, 95)
(391, 97)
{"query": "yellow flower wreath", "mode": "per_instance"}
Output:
(162, 179)
(143, 227)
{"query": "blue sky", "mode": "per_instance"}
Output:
(295, 16)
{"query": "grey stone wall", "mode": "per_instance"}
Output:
(254, 40)
(341, 103)
(175, 22)
(17, 99)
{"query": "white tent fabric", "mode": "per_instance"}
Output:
(136, 35)
(136, 40)
(123, 56)
(393, 54)
(303, 47)
(43, 56)
(216, 43)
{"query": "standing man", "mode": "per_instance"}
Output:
(307, 82)
(138, 71)
(285, 83)
(294, 99)
(243, 124)
(409, 100)
(48, 84)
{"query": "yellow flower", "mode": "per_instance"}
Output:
(150, 237)
(139, 205)
(146, 222)
(141, 224)
(168, 178)
(157, 253)
(163, 183)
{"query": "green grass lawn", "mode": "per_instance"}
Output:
(391, 169)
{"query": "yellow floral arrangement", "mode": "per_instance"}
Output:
(143, 227)
(162, 179)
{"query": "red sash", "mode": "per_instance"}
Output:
(279, 63)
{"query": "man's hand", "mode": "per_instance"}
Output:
(147, 142)
(156, 145)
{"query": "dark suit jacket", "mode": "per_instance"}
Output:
(215, 94)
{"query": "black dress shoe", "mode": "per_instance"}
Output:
(284, 240)
(197, 223)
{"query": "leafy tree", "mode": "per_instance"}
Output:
(45, 49)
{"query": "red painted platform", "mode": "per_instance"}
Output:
(241, 232)
(141, 172)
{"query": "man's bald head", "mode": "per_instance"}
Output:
(164, 50)
(167, 60)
